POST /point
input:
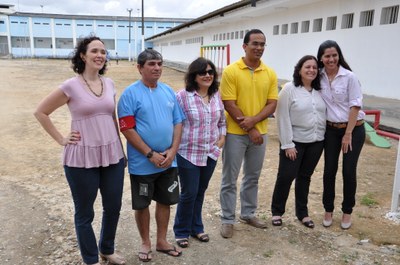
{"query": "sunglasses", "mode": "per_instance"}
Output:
(204, 73)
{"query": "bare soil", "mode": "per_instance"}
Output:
(37, 211)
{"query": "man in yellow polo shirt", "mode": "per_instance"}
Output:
(249, 90)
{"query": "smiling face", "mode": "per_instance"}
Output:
(308, 71)
(205, 79)
(330, 59)
(255, 47)
(95, 56)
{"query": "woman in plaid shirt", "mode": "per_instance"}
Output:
(203, 136)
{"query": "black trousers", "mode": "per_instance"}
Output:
(332, 150)
(301, 169)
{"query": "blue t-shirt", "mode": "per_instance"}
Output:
(156, 112)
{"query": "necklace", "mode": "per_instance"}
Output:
(206, 95)
(94, 93)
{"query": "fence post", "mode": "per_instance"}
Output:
(396, 184)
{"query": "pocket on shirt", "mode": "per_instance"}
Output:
(340, 94)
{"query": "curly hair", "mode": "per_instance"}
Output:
(78, 65)
(296, 73)
(197, 66)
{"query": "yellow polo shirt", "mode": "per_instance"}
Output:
(250, 89)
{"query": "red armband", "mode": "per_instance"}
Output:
(126, 123)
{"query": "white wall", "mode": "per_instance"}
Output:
(372, 52)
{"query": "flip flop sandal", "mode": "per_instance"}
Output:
(146, 254)
(183, 242)
(202, 237)
(170, 251)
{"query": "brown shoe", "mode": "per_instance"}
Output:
(254, 221)
(226, 230)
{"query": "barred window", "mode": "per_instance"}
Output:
(389, 15)
(317, 25)
(294, 28)
(276, 30)
(347, 21)
(284, 29)
(331, 23)
(305, 26)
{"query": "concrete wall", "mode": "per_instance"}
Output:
(372, 51)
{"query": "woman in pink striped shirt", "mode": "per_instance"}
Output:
(203, 136)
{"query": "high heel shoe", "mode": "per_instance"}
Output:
(346, 224)
(328, 219)
(113, 259)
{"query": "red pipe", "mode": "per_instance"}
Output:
(377, 114)
(388, 134)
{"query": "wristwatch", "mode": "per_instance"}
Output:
(150, 154)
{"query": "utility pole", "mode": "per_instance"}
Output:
(129, 45)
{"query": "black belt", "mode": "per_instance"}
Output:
(342, 125)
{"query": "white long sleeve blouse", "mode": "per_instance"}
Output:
(301, 116)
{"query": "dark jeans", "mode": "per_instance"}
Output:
(332, 150)
(84, 184)
(301, 169)
(194, 182)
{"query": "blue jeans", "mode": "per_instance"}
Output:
(332, 150)
(194, 183)
(84, 184)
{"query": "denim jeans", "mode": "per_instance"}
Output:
(301, 169)
(194, 183)
(332, 150)
(84, 184)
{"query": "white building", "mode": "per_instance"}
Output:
(368, 32)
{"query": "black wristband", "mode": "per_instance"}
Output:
(150, 154)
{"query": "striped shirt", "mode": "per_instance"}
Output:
(204, 124)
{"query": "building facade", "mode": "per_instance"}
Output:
(368, 32)
(55, 36)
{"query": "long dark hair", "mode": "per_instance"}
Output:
(197, 66)
(331, 44)
(296, 73)
(78, 65)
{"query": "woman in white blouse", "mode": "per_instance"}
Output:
(301, 118)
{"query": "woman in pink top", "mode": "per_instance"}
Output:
(93, 157)
(345, 132)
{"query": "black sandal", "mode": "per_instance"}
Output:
(309, 224)
(183, 243)
(276, 222)
(202, 237)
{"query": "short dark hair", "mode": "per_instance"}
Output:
(78, 65)
(296, 73)
(148, 54)
(246, 38)
(197, 66)
(331, 44)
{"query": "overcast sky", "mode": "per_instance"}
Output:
(152, 8)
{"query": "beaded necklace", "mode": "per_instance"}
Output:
(94, 93)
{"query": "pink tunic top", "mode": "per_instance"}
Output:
(92, 116)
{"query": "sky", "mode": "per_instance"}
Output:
(152, 8)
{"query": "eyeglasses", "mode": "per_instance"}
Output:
(204, 73)
(256, 44)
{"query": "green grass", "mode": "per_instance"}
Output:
(368, 200)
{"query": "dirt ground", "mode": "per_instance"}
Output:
(36, 220)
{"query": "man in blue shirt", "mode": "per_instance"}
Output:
(151, 120)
